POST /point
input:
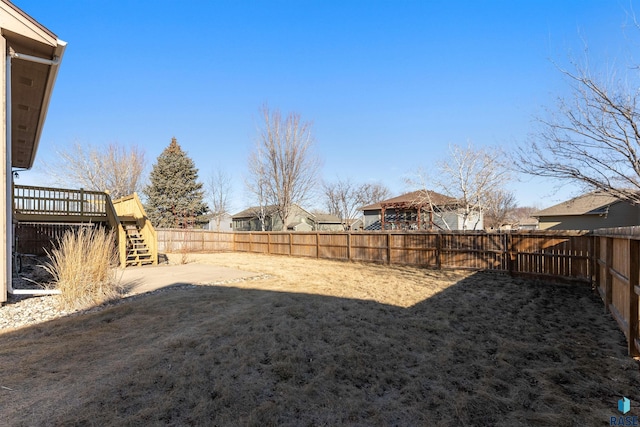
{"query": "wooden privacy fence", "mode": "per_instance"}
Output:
(565, 254)
(617, 253)
(193, 240)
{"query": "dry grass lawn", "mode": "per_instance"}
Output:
(323, 343)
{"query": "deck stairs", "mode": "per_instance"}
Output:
(137, 239)
(138, 252)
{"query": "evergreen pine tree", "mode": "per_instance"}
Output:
(175, 198)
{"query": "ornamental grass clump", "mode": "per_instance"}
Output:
(82, 267)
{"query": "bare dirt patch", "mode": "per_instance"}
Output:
(326, 343)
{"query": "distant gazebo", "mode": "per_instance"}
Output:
(410, 211)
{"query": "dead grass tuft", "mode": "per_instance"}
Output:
(82, 267)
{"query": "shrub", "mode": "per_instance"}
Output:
(82, 267)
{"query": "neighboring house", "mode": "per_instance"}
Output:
(223, 223)
(527, 224)
(328, 222)
(249, 220)
(524, 224)
(299, 226)
(32, 59)
(356, 224)
(588, 212)
(420, 210)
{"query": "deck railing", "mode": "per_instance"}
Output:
(59, 205)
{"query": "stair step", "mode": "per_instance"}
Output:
(138, 252)
(143, 251)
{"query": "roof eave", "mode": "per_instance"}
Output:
(51, 80)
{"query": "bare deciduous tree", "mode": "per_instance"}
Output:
(373, 193)
(471, 176)
(219, 191)
(283, 168)
(114, 168)
(593, 137)
(344, 198)
(500, 207)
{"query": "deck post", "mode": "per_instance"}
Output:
(82, 202)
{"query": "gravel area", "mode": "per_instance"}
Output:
(24, 310)
(20, 310)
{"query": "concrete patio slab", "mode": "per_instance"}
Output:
(137, 280)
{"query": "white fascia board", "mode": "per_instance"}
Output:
(51, 80)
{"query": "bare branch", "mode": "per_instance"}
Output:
(344, 198)
(283, 167)
(219, 190)
(471, 176)
(114, 168)
(592, 138)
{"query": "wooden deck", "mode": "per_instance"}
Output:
(35, 206)
(44, 204)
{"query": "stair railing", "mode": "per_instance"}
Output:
(121, 235)
(130, 207)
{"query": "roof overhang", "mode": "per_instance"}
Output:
(32, 81)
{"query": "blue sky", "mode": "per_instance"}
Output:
(388, 85)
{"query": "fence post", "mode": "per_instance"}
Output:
(508, 249)
(608, 258)
(388, 248)
(594, 250)
(349, 246)
(438, 251)
(317, 245)
(290, 243)
(634, 273)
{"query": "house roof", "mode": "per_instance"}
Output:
(413, 198)
(528, 221)
(253, 211)
(36, 54)
(595, 203)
